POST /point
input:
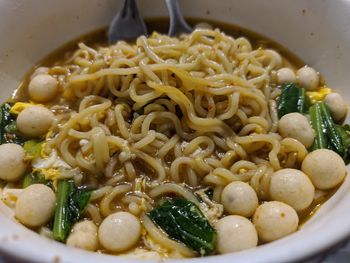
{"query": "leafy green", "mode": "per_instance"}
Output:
(33, 148)
(317, 124)
(70, 205)
(292, 99)
(8, 128)
(62, 223)
(328, 134)
(334, 138)
(78, 201)
(183, 221)
(344, 132)
(35, 178)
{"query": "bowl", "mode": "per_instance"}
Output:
(317, 31)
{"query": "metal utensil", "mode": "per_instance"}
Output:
(127, 24)
(178, 24)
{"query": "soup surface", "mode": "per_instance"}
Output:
(209, 143)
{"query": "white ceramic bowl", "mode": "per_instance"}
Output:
(316, 31)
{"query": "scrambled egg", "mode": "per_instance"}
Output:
(20, 106)
(49, 173)
(9, 196)
(53, 167)
(319, 94)
(51, 161)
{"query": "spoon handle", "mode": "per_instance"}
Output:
(130, 9)
(178, 24)
(127, 24)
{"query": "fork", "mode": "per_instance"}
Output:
(178, 24)
(127, 24)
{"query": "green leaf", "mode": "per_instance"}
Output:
(8, 128)
(328, 134)
(183, 221)
(71, 202)
(334, 138)
(292, 99)
(344, 132)
(35, 178)
(11, 127)
(321, 141)
(33, 148)
(78, 201)
(62, 223)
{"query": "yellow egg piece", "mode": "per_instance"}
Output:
(50, 173)
(319, 94)
(20, 106)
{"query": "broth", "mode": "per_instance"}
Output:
(98, 38)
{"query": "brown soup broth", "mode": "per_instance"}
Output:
(98, 38)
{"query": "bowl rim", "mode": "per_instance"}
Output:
(58, 251)
(323, 243)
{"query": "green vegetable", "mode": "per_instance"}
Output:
(292, 99)
(11, 127)
(344, 132)
(33, 148)
(8, 129)
(78, 201)
(334, 138)
(62, 223)
(320, 141)
(70, 205)
(183, 221)
(35, 178)
(328, 134)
